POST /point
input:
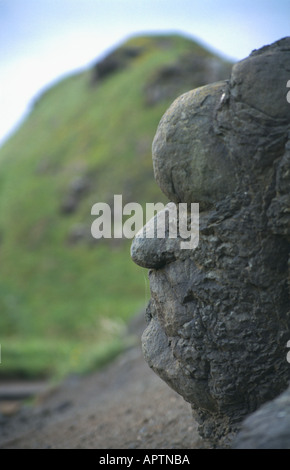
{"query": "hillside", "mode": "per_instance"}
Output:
(65, 297)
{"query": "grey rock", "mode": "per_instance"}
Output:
(151, 251)
(260, 80)
(190, 71)
(79, 233)
(192, 164)
(78, 188)
(115, 62)
(267, 428)
(69, 205)
(219, 315)
(79, 185)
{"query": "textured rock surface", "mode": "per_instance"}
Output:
(267, 428)
(191, 164)
(219, 315)
(149, 250)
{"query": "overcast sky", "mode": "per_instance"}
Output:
(42, 40)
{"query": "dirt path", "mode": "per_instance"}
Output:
(124, 406)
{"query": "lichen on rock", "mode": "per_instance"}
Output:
(219, 315)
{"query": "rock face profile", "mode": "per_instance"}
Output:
(219, 315)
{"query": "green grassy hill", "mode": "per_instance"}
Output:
(65, 297)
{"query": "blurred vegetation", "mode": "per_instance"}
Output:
(65, 298)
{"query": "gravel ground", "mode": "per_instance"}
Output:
(123, 406)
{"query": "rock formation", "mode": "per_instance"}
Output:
(267, 428)
(219, 315)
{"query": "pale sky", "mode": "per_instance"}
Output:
(43, 40)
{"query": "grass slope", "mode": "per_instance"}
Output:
(64, 300)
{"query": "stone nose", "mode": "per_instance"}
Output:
(167, 236)
(152, 246)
